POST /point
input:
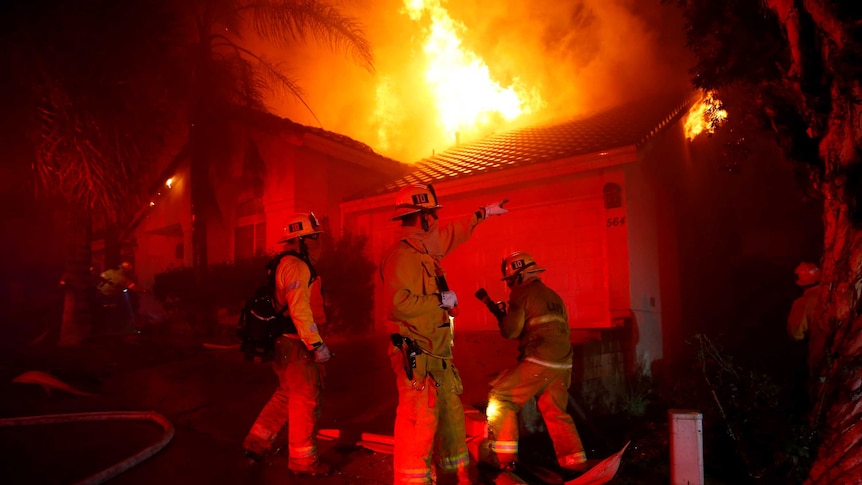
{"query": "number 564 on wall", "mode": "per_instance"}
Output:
(615, 221)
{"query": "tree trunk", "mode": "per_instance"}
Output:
(75, 326)
(835, 345)
(199, 197)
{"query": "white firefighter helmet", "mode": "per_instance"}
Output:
(517, 263)
(415, 198)
(807, 274)
(300, 225)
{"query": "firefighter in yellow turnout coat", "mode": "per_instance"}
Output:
(299, 355)
(430, 417)
(537, 317)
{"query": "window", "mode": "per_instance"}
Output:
(613, 196)
(249, 241)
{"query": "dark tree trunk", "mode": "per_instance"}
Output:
(75, 326)
(835, 346)
(113, 249)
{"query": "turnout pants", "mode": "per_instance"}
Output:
(429, 421)
(510, 391)
(297, 401)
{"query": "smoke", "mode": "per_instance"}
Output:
(578, 57)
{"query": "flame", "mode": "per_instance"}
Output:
(465, 95)
(705, 116)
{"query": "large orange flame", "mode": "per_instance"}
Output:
(465, 96)
(705, 116)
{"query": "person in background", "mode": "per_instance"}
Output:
(802, 310)
(116, 280)
(299, 355)
(418, 301)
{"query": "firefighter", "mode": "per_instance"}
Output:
(802, 311)
(114, 281)
(430, 417)
(537, 317)
(119, 299)
(299, 355)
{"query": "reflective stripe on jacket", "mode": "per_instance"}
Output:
(410, 288)
(304, 299)
(537, 316)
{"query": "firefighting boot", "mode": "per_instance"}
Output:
(576, 462)
(316, 469)
(259, 450)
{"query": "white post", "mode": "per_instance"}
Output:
(686, 447)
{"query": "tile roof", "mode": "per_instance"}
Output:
(631, 124)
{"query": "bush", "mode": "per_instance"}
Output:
(347, 276)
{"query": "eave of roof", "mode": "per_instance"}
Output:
(631, 124)
(322, 140)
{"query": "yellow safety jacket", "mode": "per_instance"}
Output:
(411, 298)
(801, 313)
(303, 297)
(537, 316)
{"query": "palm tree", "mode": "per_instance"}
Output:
(227, 74)
(96, 109)
(105, 82)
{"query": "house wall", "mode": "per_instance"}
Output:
(655, 287)
(556, 212)
(297, 178)
(163, 239)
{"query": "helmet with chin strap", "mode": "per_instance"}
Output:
(415, 198)
(807, 274)
(301, 225)
(518, 264)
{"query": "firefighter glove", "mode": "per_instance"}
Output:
(448, 300)
(495, 209)
(322, 353)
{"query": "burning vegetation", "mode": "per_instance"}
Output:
(705, 116)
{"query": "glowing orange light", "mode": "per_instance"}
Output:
(169, 182)
(464, 94)
(705, 116)
(152, 204)
(493, 410)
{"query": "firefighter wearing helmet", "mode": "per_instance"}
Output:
(419, 302)
(537, 317)
(299, 354)
(803, 308)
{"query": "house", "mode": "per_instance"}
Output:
(281, 167)
(585, 199)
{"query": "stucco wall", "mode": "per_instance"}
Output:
(556, 212)
(297, 178)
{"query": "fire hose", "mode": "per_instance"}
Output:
(116, 469)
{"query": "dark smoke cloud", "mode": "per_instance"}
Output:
(579, 55)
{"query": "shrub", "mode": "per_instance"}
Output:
(346, 273)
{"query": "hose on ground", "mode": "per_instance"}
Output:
(116, 469)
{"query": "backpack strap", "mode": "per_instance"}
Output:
(272, 267)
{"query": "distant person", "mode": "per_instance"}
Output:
(115, 281)
(299, 355)
(430, 417)
(119, 297)
(537, 317)
(802, 310)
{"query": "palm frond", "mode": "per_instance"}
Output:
(265, 75)
(101, 104)
(287, 21)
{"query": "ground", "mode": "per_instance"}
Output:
(212, 396)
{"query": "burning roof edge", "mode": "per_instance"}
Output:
(628, 124)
